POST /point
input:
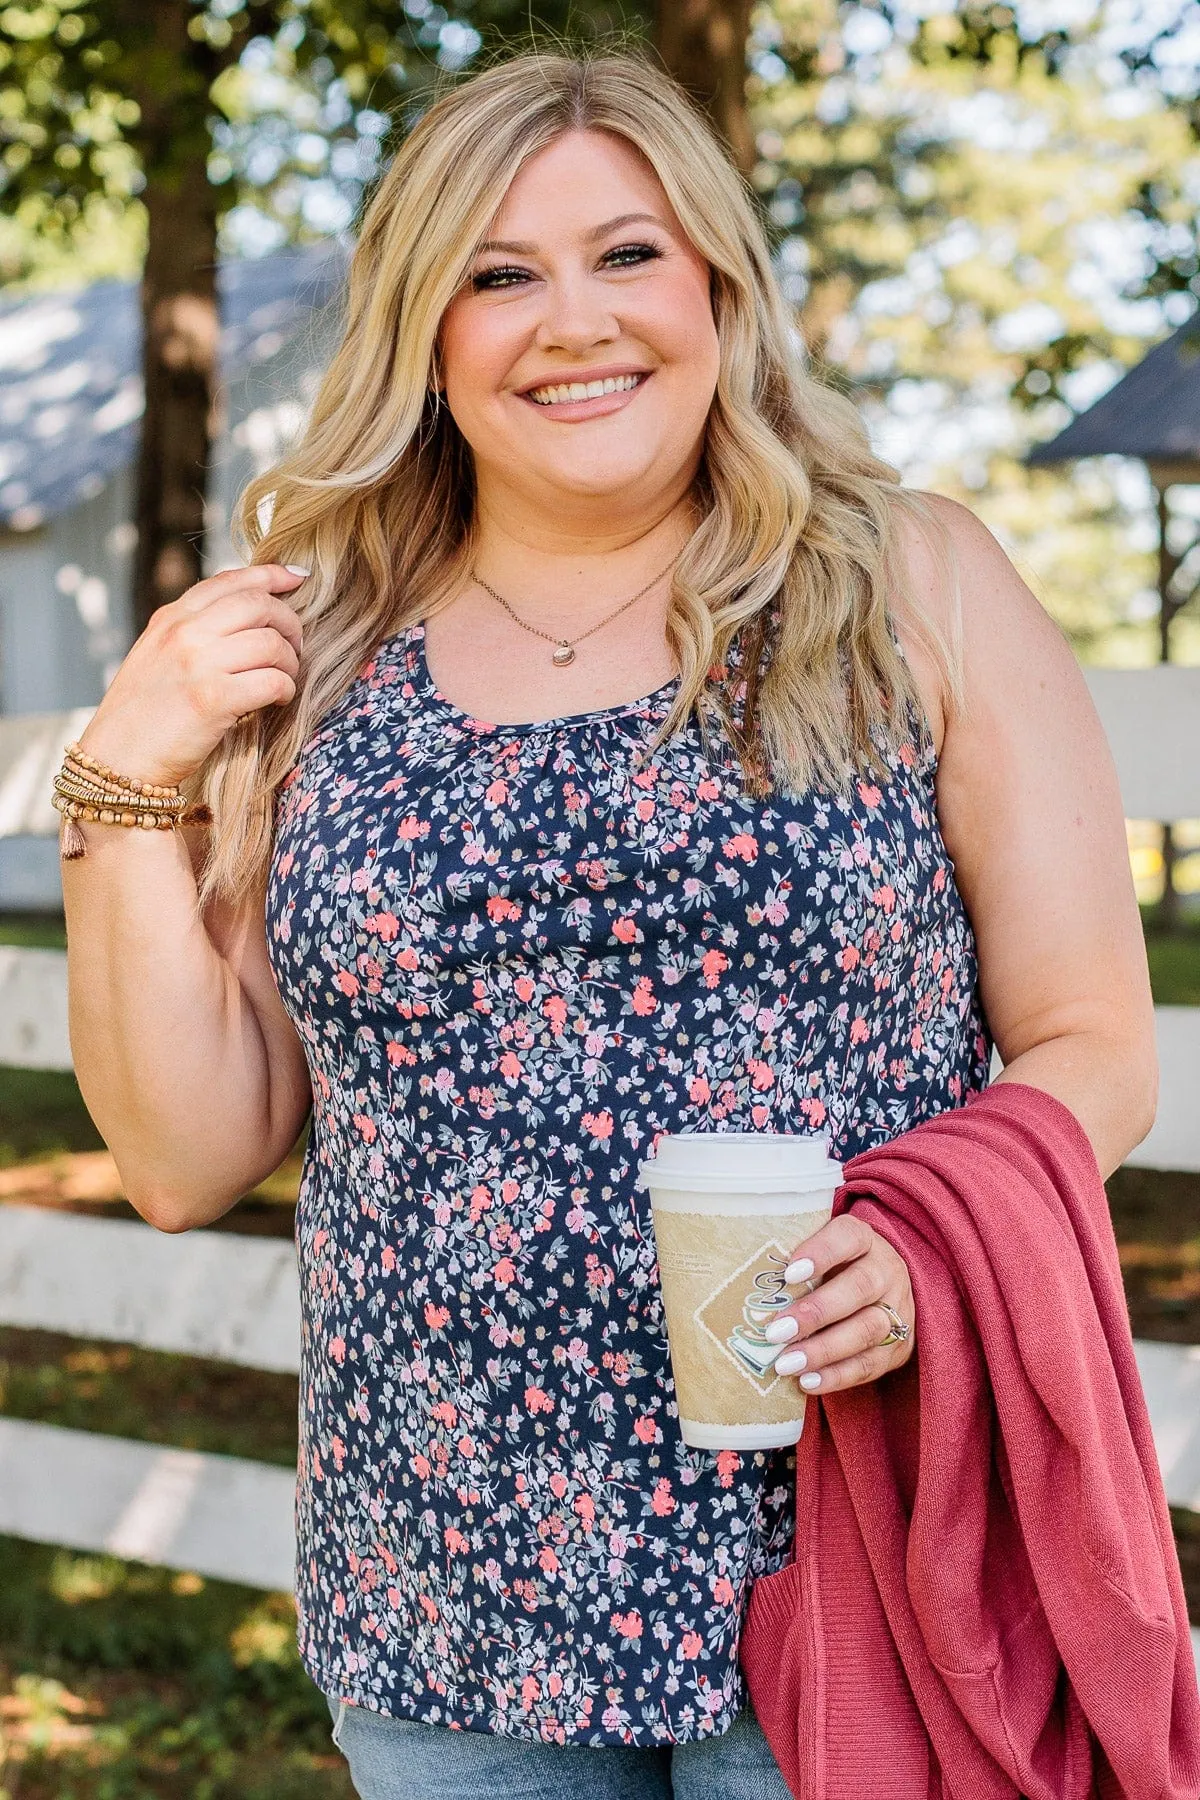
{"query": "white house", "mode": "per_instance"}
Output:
(70, 401)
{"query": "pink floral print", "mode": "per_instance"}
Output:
(515, 954)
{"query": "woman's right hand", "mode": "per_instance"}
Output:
(228, 646)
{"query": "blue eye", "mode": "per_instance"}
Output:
(503, 275)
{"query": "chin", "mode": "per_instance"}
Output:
(612, 478)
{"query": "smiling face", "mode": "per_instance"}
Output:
(580, 357)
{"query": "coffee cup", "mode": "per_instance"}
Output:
(728, 1209)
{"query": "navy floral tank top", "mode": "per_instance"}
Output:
(515, 954)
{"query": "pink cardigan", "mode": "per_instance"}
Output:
(985, 1601)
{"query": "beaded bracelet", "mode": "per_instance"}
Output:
(87, 789)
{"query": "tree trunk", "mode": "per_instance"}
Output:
(1169, 910)
(171, 77)
(180, 324)
(1169, 914)
(703, 44)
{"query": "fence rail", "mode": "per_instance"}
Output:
(203, 1293)
(215, 1294)
(33, 1034)
(1149, 717)
(223, 1516)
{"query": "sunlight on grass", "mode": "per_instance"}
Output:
(42, 1714)
(122, 1682)
(267, 1634)
(74, 1579)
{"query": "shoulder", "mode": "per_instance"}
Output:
(959, 577)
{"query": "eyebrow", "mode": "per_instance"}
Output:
(597, 231)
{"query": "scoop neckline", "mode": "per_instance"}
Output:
(414, 637)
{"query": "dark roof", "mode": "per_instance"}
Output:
(1153, 411)
(70, 371)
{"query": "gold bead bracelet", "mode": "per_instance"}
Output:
(87, 789)
(108, 815)
(98, 768)
(79, 788)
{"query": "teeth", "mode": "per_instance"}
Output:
(583, 390)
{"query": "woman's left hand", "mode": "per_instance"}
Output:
(839, 1324)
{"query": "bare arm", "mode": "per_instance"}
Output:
(1031, 814)
(184, 1055)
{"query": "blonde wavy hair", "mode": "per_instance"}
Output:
(794, 553)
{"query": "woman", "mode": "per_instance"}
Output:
(599, 745)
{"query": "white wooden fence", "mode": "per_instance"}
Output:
(216, 1295)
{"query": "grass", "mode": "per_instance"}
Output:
(120, 1682)
(42, 1114)
(1187, 1543)
(34, 930)
(1174, 960)
(89, 1385)
(1156, 1221)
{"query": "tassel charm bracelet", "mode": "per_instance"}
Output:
(87, 789)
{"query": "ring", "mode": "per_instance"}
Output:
(899, 1332)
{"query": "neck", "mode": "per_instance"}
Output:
(535, 560)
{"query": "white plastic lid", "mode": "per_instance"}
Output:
(744, 1161)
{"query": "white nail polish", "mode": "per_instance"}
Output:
(790, 1362)
(295, 569)
(798, 1271)
(810, 1381)
(780, 1330)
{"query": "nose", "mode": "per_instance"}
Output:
(576, 313)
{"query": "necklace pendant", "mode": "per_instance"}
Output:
(564, 654)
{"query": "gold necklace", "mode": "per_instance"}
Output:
(565, 647)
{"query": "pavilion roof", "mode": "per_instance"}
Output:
(1152, 412)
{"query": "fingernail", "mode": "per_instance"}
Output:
(780, 1330)
(810, 1381)
(790, 1361)
(798, 1271)
(295, 569)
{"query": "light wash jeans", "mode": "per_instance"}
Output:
(402, 1759)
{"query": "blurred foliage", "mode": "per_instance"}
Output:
(120, 1682)
(98, 98)
(981, 216)
(981, 226)
(34, 930)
